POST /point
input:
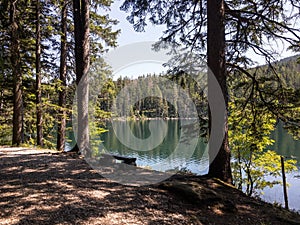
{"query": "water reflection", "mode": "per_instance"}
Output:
(284, 145)
(180, 159)
(198, 163)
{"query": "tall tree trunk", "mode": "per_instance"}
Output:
(63, 79)
(17, 77)
(81, 29)
(219, 156)
(39, 112)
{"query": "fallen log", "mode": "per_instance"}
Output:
(123, 159)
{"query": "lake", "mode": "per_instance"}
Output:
(286, 146)
(197, 162)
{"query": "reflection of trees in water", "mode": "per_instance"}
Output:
(141, 130)
(285, 144)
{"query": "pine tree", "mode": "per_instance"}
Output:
(61, 130)
(39, 113)
(240, 26)
(17, 74)
(82, 52)
(219, 165)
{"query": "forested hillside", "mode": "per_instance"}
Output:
(48, 47)
(50, 51)
(287, 75)
(287, 72)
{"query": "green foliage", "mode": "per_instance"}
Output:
(279, 89)
(5, 134)
(249, 138)
(102, 36)
(5, 111)
(250, 26)
(260, 98)
(154, 105)
(95, 130)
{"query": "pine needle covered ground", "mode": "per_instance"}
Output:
(43, 187)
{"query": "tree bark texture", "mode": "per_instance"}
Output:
(81, 29)
(17, 76)
(63, 79)
(39, 111)
(219, 155)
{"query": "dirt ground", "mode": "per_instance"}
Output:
(43, 187)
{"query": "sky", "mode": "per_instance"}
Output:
(153, 33)
(129, 36)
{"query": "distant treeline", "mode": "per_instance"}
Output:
(270, 84)
(285, 73)
(157, 96)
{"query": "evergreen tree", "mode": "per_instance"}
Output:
(39, 113)
(81, 17)
(205, 27)
(61, 130)
(16, 73)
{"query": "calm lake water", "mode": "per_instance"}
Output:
(285, 145)
(198, 161)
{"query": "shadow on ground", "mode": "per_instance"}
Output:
(60, 189)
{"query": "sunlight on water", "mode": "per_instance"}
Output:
(285, 145)
(198, 163)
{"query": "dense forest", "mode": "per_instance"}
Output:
(38, 78)
(150, 107)
(288, 72)
(47, 48)
(255, 111)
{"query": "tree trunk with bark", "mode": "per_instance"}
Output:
(63, 80)
(39, 111)
(219, 166)
(81, 31)
(17, 77)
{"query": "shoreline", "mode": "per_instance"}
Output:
(63, 189)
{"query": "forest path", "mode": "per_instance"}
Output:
(24, 150)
